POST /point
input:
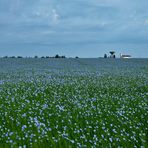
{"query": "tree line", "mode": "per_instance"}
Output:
(36, 57)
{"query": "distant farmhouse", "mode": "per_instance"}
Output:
(125, 56)
(112, 55)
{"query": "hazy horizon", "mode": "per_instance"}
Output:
(72, 53)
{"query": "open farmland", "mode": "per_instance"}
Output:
(73, 102)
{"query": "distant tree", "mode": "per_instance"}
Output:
(36, 57)
(47, 57)
(42, 57)
(5, 57)
(19, 57)
(57, 56)
(63, 57)
(112, 54)
(12, 57)
(105, 55)
(76, 57)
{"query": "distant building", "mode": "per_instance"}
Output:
(125, 56)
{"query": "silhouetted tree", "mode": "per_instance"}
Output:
(19, 57)
(112, 54)
(105, 55)
(12, 57)
(76, 57)
(36, 57)
(63, 57)
(57, 56)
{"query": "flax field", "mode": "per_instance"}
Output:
(70, 103)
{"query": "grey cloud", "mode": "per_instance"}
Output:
(48, 22)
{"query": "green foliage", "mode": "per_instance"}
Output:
(73, 103)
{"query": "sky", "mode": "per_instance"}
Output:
(84, 28)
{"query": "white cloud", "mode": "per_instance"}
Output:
(55, 16)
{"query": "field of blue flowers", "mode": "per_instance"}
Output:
(73, 103)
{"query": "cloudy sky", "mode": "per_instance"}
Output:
(85, 28)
